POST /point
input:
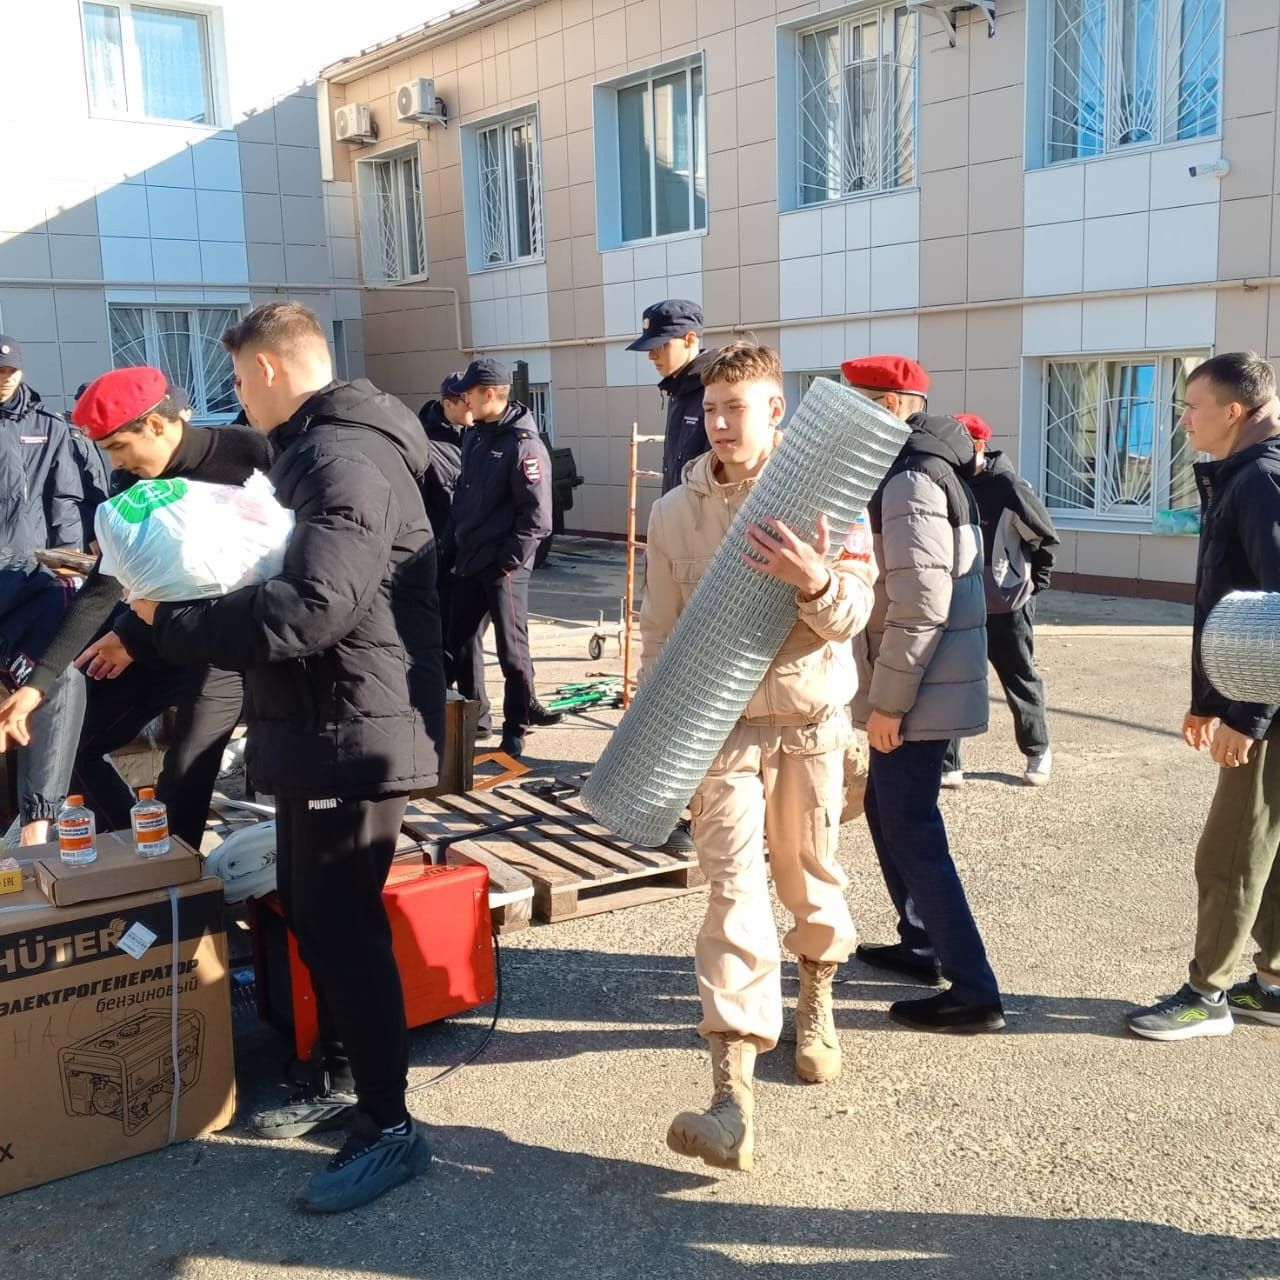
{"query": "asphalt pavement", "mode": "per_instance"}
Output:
(1061, 1148)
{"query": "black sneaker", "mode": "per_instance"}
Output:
(680, 841)
(899, 959)
(369, 1163)
(541, 717)
(1184, 1015)
(512, 744)
(944, 1012)
(310, 1110)
(482, 735)
(1249, 1000)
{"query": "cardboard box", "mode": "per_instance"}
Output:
(117, 870)
(10, 876)
(91, 1003)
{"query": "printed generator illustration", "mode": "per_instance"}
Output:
(125, 1072)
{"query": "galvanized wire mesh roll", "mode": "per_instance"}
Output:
(1240, 646)
(830, 461)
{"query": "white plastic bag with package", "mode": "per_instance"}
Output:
(170, 540)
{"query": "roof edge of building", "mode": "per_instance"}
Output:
(458, 22)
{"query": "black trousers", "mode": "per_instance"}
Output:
(332, 864)
(1011, 646)
(504, 599)
(208, 703)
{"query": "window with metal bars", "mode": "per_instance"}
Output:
(540, 406)
(1127, 73)
(662, 153)
(509, 178)
(392, 229)
(856, 105)
(185, 344)
(1113, 446)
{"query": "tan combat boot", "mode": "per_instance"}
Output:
(817, 1045)
(722, 1135)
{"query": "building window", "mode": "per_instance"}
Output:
(184, 342)
(509, 179)
(1112, 444)
(146, 60)
(661, 154)
(540, 407)
(341, 363)
(1126, 73)
(392, 230)
(856, 105)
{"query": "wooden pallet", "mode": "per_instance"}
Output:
(576, 867)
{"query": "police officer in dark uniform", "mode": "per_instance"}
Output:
(445, 422)
(671, 334)
(501, 511)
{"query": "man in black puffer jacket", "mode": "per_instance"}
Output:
(1018, 538)
(671, 336)
(1232, 414)
(344, 699)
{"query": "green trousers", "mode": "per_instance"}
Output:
(1238, 870)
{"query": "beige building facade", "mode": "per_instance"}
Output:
(1059, 208)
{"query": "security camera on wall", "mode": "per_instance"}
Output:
(1218, 168)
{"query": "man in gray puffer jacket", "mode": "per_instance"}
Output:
(923, 682)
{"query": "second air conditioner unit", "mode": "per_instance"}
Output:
(354, 124)
(416, 103)
(947, 10)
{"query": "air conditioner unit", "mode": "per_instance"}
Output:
(354, 124)
(947, 10)
(416, 102)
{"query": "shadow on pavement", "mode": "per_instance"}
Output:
(493, 1206)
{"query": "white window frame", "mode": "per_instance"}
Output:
(1165, 126)
(151, 352)
(215, 106)
(486, 183)
(895, 172)
(541, 405)
(1169, 447)
(609, 157)
(378, 248)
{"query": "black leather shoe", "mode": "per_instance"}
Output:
(945, 1013)
(899, 959)
(541, 717)
(680, 840)
(512, 745)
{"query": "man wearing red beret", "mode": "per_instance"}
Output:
(140, 421)
(923, 681)
(1018, 538)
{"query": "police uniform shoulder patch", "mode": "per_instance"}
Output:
(532, 469)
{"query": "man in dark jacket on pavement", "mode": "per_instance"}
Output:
(922, 680)
(345, 707)
(671, 335)
(1018, 538)
(52, 482)
(445, 421)
(501, 511)
(1232, 414)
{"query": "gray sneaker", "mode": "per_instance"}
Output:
(308, 1111)
(1182, 1016)
(370, 1163)
(1249, 1000)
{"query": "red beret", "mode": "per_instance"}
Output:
(117, 398)
(974, 425)
(886, 373)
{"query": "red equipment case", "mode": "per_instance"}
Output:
(442, 939)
